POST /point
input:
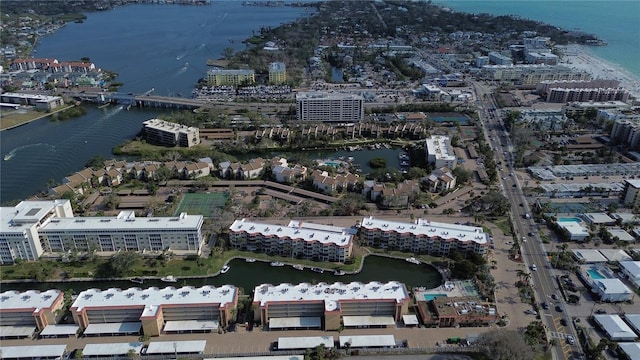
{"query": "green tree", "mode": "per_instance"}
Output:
(122, 263)
(378, 163)
(502, 344)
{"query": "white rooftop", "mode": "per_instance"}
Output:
(631, 349)
(615, 255)
(17, 331)
(574, 228)
(281, 231)
(32, 351)
(367, 340)
(621, 234)
(439, 146)
(615, 328)
(331, 294)
(632, 268)
(589, 255)
(319, 95)
(314, 226)
(597, 218)
(410, 319)
(24, 215)
(60, 329)
(32, 300)
(612, 286)
(276, 357)
(113, 328)
(428, 228)
(633, 182)
(125, 220)
(303, 342)
(109, 349)
(626, 217)
(153, 297)
(180, 347)
(634, 321)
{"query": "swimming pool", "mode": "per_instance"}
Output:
(569, 219)
(332, 163)
(595, 274)
(429, 297)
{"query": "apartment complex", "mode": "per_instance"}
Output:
(531, 74)
(328, 306)
(33, 227)
(563, 95)
(277, 73)
(631, 193)
(21, 313)
(423, 236)
(20, 225)
(627, 132)
(297, 239)
(220, 77)
(329, 107)
(439, 152)
(165, 133)
(156, 311)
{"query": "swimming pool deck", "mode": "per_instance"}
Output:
(450, 289)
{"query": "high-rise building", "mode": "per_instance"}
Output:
(165, 133)
(439, 152)
(220, 77)
(329, 107)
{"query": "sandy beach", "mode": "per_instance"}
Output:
(579, 58)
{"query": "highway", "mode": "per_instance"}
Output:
(532, 249)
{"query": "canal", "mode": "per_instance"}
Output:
(249, 275)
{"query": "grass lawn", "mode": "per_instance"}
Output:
(503, 224)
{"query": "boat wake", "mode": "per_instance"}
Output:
(15, 151)
(191, 52)
(111, 113)
(182, 70)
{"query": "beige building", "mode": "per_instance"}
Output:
(165, 133)
(156, 311)
(230, 77)
(330, 306)
(23, 312)
(277, 73)
(631, 193)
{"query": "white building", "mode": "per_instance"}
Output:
(589, 256)
(631, 193)
(156, 311)
(329, 107)
(21, 313)
(615, 328)
(575, 231)
(19, 226)
(423, 236)
(612, 290)
(631, 270)
(328, 306)
(631, 350)
(293, 240)
(439, 152)
(33, 227)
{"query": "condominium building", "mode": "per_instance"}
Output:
(293, 240)
(423, 236)
(328, 306)
(544, 87)
(631, 193)
(33, 227)
(20, 226)
(220, 77)
(531, 74)
(439, 152)
(499, 59)
(329, 107)
(277, 73)
(156, 311)
(563, 95)
(21, 313)
(627, 132)
(165, 133)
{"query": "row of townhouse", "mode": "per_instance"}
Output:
(296, 240)
(277, 133)
(52, 65)
(328, 184)
(282, 172)
(32, 228)
(251, 170)
(391, 197)
(158, 311)
(114, 172)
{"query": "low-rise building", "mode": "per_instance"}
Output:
(156, 311)
(423, 236)
(292, 240)
(457, 311)
(441, 180)
(21, 313)
(631, 270)
(330, 306)
(615, 328)
(40, 102)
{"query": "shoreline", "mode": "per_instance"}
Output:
(578, 57)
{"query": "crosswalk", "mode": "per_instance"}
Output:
(557, 335)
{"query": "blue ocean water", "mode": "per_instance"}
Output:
(616, 22)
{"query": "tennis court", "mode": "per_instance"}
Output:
(202, 203)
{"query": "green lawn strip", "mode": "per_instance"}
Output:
(503, 224)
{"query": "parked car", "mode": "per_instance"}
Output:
(534, 267)
(545, 306)
(571, 340)
(564, 322)
(559, 308)
(601, 311)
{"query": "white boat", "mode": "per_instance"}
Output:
(413, 260)
(276, 263)
(318, 270)
(338, 272)
(225, 269)
(250, 260)
(169, 278)
(137, 280)
(298, 267)
(8, 157)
